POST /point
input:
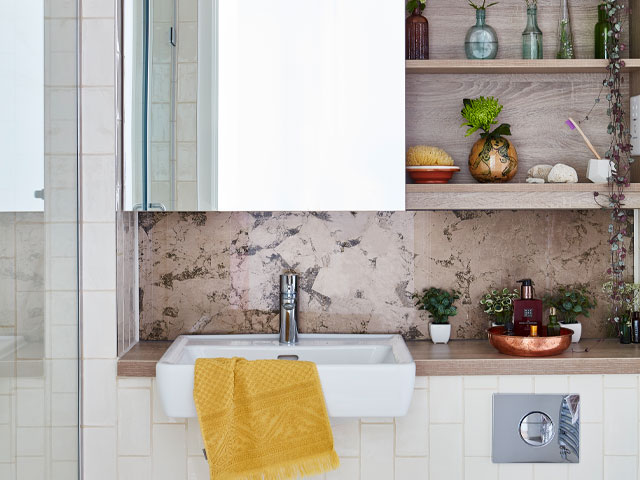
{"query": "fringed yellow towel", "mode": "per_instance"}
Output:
(262, 419)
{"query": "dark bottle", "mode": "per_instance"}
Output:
(553, 329)
(417, 32)
(602, 33)
(635, 327)
(527, 310)
(625, 331)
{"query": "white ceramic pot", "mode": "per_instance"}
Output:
(598, 171)
(577, 330)
(440, 332)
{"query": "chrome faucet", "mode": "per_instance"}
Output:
(289, 309)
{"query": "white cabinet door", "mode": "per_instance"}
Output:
(310, 105)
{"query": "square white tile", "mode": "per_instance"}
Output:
(377, 462)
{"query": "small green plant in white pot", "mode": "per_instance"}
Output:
(441, 305)
(498, 304)
(571, 302)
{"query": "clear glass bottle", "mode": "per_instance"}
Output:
(565, 38)
(602, 33)
(481, 42)
(532, 36)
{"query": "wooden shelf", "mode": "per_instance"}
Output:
(513, 66)
(512, 196)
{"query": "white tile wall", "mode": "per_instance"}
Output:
(414, 447)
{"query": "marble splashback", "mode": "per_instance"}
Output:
(218, 272)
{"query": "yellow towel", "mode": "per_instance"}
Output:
(263, 419)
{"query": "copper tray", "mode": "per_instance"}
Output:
(530, 346)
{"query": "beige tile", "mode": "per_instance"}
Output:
(187, 122)
(134, 422)
(64, 410)
(617, 468)
(187, 167)
(445, 399)
(187, 193)
(446, 452)
(30, 467)
(6, 444)
(160, 122)
(99, 390)
(99, 450)
(64, 341)
(349, 470)
(512, 471)
(549, 470)
(97, 8)
(99, 331)
(99, 256)
(187, 82)
(64, 444)
(98, 195)
(481, 381)
(98, 120)
(346, 437)
(477, 422)
(30, 441)
(162, 51)
(416, 468)
(187, 42)
(480, 468)
(187, 10)
(591, 458)
(160, 161)
(134, 468)
(591, 396)
(195, 445)
(197, 468)
(64, 470)
(169, 457)
(620, 421)
(98, 40)
(376, 462)
(161, 82)
(30, 408)
(64, 376)
(412, 430)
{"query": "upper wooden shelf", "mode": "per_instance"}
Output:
(513, 66)
(513, 196)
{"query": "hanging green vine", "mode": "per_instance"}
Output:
(619, 156)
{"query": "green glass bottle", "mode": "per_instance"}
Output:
(532, 36)
(602, 33)
(553, 328)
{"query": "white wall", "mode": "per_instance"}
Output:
(445, 436)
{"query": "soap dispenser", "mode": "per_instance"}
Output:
(527, 310)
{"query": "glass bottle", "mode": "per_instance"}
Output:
(481, 42)
(625, 331)
(553, 329)
(532, 36)
(565, 38)
(602, 33)
(417, 32)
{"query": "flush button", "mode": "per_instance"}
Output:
(536, 429)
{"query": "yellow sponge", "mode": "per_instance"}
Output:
(423, 155)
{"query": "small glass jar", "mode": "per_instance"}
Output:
(532, 36)
(481, 42)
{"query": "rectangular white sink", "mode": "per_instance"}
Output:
(361, 375)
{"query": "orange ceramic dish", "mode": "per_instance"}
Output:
(530, 346)
(432, 174)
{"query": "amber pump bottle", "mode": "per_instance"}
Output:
(527, 310)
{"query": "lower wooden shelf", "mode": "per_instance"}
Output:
(514, 196)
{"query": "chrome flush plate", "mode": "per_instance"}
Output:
(536, 428)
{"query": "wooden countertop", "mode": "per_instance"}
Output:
(459, 357)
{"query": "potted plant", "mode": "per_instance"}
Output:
(441, 305)
(571, 302)
(481, 42)
(493, 158)
(498, 304)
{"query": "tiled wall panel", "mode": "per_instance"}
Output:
(424, 445)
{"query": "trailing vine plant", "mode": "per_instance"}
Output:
(619, 154)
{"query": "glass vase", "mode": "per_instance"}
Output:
(602, 33)
(565, 38)
(481, 42)
(625, 333)
(417, 32)
(532, 36)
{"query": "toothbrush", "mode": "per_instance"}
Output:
(574, 126)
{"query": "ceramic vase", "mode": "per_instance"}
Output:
(440, 332)
(577, 330)
(493, 160)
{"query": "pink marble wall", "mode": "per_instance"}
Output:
(218, 272)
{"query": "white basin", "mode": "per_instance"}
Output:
(361, 375)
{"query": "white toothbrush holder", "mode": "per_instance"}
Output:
(599, 170)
